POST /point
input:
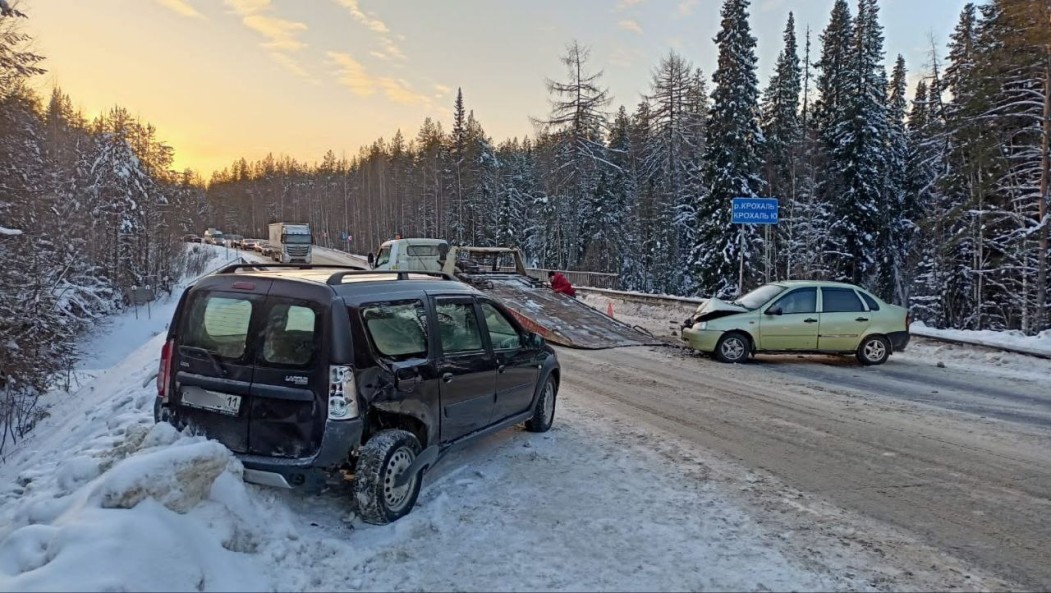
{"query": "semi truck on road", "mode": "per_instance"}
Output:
(291, 243)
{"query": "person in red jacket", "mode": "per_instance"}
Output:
(559, 284)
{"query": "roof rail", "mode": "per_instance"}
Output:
(258, 266)
(338, 277)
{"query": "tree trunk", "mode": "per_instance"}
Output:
(1045, 173)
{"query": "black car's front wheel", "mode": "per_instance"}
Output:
(544, 410)
(385, 457)
(732, 347)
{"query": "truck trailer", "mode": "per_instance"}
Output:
(291, 243)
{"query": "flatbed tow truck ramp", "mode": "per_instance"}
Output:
(560, 319)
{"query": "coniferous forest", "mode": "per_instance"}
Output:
(934, 196)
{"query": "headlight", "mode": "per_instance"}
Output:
(702, 325)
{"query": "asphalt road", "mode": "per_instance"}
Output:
(960, 460)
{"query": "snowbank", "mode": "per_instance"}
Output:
(9, 232)
(1040, 343)
(99, 498)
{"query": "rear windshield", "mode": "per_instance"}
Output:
(397, 330)
(219, 324)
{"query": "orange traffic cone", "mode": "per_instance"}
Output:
(609, 309)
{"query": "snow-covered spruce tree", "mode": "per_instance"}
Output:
(732, 158)
(614, 237)
(856, 143)
(899, 211)
(783, 147)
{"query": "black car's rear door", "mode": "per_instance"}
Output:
(213, 362)
(290, 388)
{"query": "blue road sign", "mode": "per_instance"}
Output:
(755, 211)
(343, 236)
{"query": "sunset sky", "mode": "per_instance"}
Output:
(223, 79)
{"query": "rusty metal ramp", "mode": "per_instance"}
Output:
(559, 319)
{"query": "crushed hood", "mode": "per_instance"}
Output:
(713, 304)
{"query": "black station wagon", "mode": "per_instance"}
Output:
(312, 372)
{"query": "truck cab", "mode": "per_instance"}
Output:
(291, 243)
(418, 255)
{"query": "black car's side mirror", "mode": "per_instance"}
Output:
(774, 311)
(533, 340)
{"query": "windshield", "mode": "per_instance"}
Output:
(757, 297)
(296, 239)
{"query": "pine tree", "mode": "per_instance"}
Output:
(576, 124)
(783, 133)
(857, 139)
(732, 161)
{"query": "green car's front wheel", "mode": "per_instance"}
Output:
(733, 347)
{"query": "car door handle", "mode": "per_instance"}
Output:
(501, 368)
(447, 377)
(810, 320)
(861, 319)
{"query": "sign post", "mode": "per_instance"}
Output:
(751, 211)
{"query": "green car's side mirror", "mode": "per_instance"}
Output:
(774, 311)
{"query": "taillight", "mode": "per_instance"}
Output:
(164, 372)
(908, 319)
(342, 393)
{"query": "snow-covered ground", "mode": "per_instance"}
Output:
(1040, 343)
(100, 498)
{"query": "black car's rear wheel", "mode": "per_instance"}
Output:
(386, 456)
(544, 410)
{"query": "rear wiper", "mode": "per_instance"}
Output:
(217, 363)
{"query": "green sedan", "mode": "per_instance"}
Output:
(800, 316)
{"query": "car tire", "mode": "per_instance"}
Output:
(383, 458)
(873, 350)
(733, 347)
(544, 410)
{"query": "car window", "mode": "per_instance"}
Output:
(289, 336)
(397, 330)
(840, 300)
(458, 328)
(502, 332)
(871, 302)
(757, 297)
(384, 256)
(802, 300)
(219, 324)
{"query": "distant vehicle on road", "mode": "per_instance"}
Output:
(248, 244)
(191, 238)
(800, 316)
(291, 243)
(232, 241)
(213, 236)
(262, 246)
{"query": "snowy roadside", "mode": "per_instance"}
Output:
(98, 492)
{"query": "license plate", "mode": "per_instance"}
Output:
(224, 403)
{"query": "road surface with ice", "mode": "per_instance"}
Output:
(949, 442)
(664, 471)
